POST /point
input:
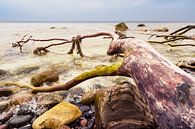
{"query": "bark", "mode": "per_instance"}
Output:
(168, 90)
(122, 107)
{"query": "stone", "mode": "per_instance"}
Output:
(26, 70)
(44, 77)
(141, 25)
(26, 127)
(49, 99)
(121, 107)
(6, 116)
(5, 91)
(20, 98)
(61, 114)
(76, 91)
(18, 121)
(4, 126)
(8, 91)
(88, 97)
(4, 105)
(64, 127)
(161, 29)
(3, 73)
(84, 108)
(121, 27)
(83, 122)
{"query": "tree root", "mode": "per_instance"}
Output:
(112, 70)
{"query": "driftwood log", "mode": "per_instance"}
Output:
(168, 90)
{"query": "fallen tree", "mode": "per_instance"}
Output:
(168, 90)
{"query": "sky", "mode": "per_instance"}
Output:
(97, 10)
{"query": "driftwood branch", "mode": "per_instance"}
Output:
(112, 70)
(174, 36)
(76, 42)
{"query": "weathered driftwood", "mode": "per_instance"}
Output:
(174, 36)
(168, 90)
(75, 41)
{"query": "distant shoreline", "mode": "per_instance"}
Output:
(97, 21)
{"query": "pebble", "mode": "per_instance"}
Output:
(26, 127)
(4, 126)
(64, 127)
(6, 116)
(18, 121)
(84, 108)
(5, 91)
(76, 91)
(83, 122)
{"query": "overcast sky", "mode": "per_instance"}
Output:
(97, 10)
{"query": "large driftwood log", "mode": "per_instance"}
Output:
(168, 90)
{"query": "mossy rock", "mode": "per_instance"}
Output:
(121, 27)
(62, 114)
(45, 76)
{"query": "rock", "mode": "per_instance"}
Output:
(161, 29)
(3, 73)
(76, 91)
(61, 114)
(64, 127)
(24, 110)
(26, 70)
(4, 105)
(91, 123)
(20, 98)
(48, 99)
(6, 116)
(18, 121)
(4, 91)
(121, 107)
(4, 126)
(26, 127)
(121, 27)
(52, 27)
(83, 122)
(44, 77)
(141, 25)
(88, 97)
(84, 108)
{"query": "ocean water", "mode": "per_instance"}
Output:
(95, 48)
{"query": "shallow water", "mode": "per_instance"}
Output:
(12, 60)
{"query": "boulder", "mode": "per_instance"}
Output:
(121, 107)
(45, 76)
(61, 114)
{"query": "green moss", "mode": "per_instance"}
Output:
(100, 71)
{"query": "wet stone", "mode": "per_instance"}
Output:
(4, 126)
(64, 127)
(6, 116)
(76, 91)
(83, 122)
(18, 121)
(26, 127)
(84, 108)
(4, 105)
(5, 91)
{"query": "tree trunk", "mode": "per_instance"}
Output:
(168, 90)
